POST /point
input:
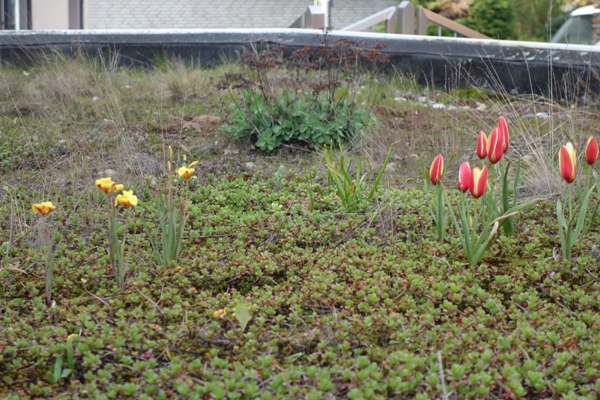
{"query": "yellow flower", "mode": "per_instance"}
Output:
(186, 172)
(127, 199)
(43, 208)
(108, 186)
(72, 336)
(220, 313)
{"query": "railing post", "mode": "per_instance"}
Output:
(421, 22)
(406, 18)
(391, 22)
(326, 5)
(314, 17)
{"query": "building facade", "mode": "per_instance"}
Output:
(176, 14)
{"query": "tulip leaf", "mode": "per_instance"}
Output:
(242, 314)
(516, 182)
(481, 248)
(561, 227)
(58, 368)
(560, 216)
(582, 214)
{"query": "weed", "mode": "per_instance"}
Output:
(351, 189)
(315, 110)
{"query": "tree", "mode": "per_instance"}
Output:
(538, 19)
(494, 18)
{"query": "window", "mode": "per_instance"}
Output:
(8, 14)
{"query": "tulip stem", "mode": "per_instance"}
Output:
(47, 251)
(508, 225)
(112, 232)
(569, 229)
(441, 217)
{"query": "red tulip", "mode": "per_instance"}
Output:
(503, 131)
(482, 143)
(495, 146)
(591, 151)
(464, 177)
(478, 181)
(567, 162)
(436, 170)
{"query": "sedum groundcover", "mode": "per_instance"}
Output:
(362, 305)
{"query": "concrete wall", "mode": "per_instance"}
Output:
(569, 71)
(206, 14)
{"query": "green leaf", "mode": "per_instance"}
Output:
(70, 355)
(560, 215)
(242, 314)
(582, 214)
(58, 368)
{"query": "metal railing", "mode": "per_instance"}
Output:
(400, 19)
(312, 18)
(424, 16)
(317, 16)
(388, 16)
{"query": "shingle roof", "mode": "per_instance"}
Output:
(192, 14)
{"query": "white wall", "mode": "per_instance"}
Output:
(50, 14)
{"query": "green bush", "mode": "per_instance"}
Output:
(494, 18)
(302, 116)
(538, 20)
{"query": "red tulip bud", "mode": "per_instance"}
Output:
(464, 177)
(503, 131)
(567, 162)
(482, 143)
(437, 169)
(478, 181)
(495, 146)
(591, 151)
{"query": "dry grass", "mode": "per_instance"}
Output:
(78, 119)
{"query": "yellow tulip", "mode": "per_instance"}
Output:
(107, 185)
(186, 172)
(43, 208)
(127, 199)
